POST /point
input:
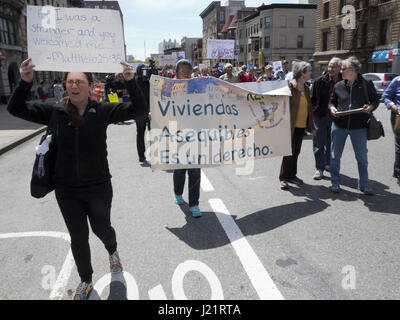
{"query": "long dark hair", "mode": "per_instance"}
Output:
(76, 118)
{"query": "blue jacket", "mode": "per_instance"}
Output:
(391, 95)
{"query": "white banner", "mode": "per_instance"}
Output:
(74, 39)
(277, 66)
(205, 122)
(179, 55)
(220, 49)
(167, 60)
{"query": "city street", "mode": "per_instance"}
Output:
(254, 240)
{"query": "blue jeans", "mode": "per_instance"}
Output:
(322, 141)
(194, 184)
(359, 141)
(396, 168)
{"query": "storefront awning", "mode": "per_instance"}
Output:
(381, 56)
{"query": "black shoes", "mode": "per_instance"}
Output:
(296, 181)
(284, 184)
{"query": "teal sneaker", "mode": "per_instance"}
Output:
(178, 199)
(195, 211)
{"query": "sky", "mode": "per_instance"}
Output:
(152, 21)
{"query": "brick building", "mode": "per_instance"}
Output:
(13, 45)
(215, 18)
(197, 52)
(374, 38)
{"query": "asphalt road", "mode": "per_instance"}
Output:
(254, 241)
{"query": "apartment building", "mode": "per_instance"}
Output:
(13, 44)
(276, 32)
(374, 37)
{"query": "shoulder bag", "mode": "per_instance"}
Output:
(374, 126)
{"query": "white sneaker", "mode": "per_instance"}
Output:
(318, 175)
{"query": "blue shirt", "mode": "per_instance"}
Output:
(391, 96)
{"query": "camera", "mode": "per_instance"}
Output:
(145, 71)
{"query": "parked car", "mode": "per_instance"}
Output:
(380, 80)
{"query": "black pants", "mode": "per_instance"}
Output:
(79, 204)
(194, 184)
(140, 129)
(289, 163)
(396, 168)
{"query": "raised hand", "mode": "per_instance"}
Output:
(128, 72)
(27, 70)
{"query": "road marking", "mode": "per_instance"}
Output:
(205, 183)
(62, 280)
(258, 275)
(124, 277)
(193, 265)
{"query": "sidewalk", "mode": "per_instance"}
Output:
(14, 131)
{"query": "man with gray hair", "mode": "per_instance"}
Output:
(228, 75)
(321, 91)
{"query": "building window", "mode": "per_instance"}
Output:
(340, 39)
(282, 20)
(282, 41)
(364, 35)
(221, 16)
(241, 49)
(365, 4)
(267, 22)
(251, 30)
(383, 31)
(249, 47)
(257, 45)
(267, 43)
(325, 41)
(299, 42)
(301, 21)
(326, 10)
(8, 33)
(261, 22)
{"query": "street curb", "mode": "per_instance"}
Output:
(19, 141)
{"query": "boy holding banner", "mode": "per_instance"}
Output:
(184, 71)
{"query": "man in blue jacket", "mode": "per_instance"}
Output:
(391, 98)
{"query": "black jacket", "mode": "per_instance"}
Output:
(346, 98)
(320, 95)
(81, 156)
(144, 86)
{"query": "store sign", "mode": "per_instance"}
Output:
(3, 56)
(381, 56)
